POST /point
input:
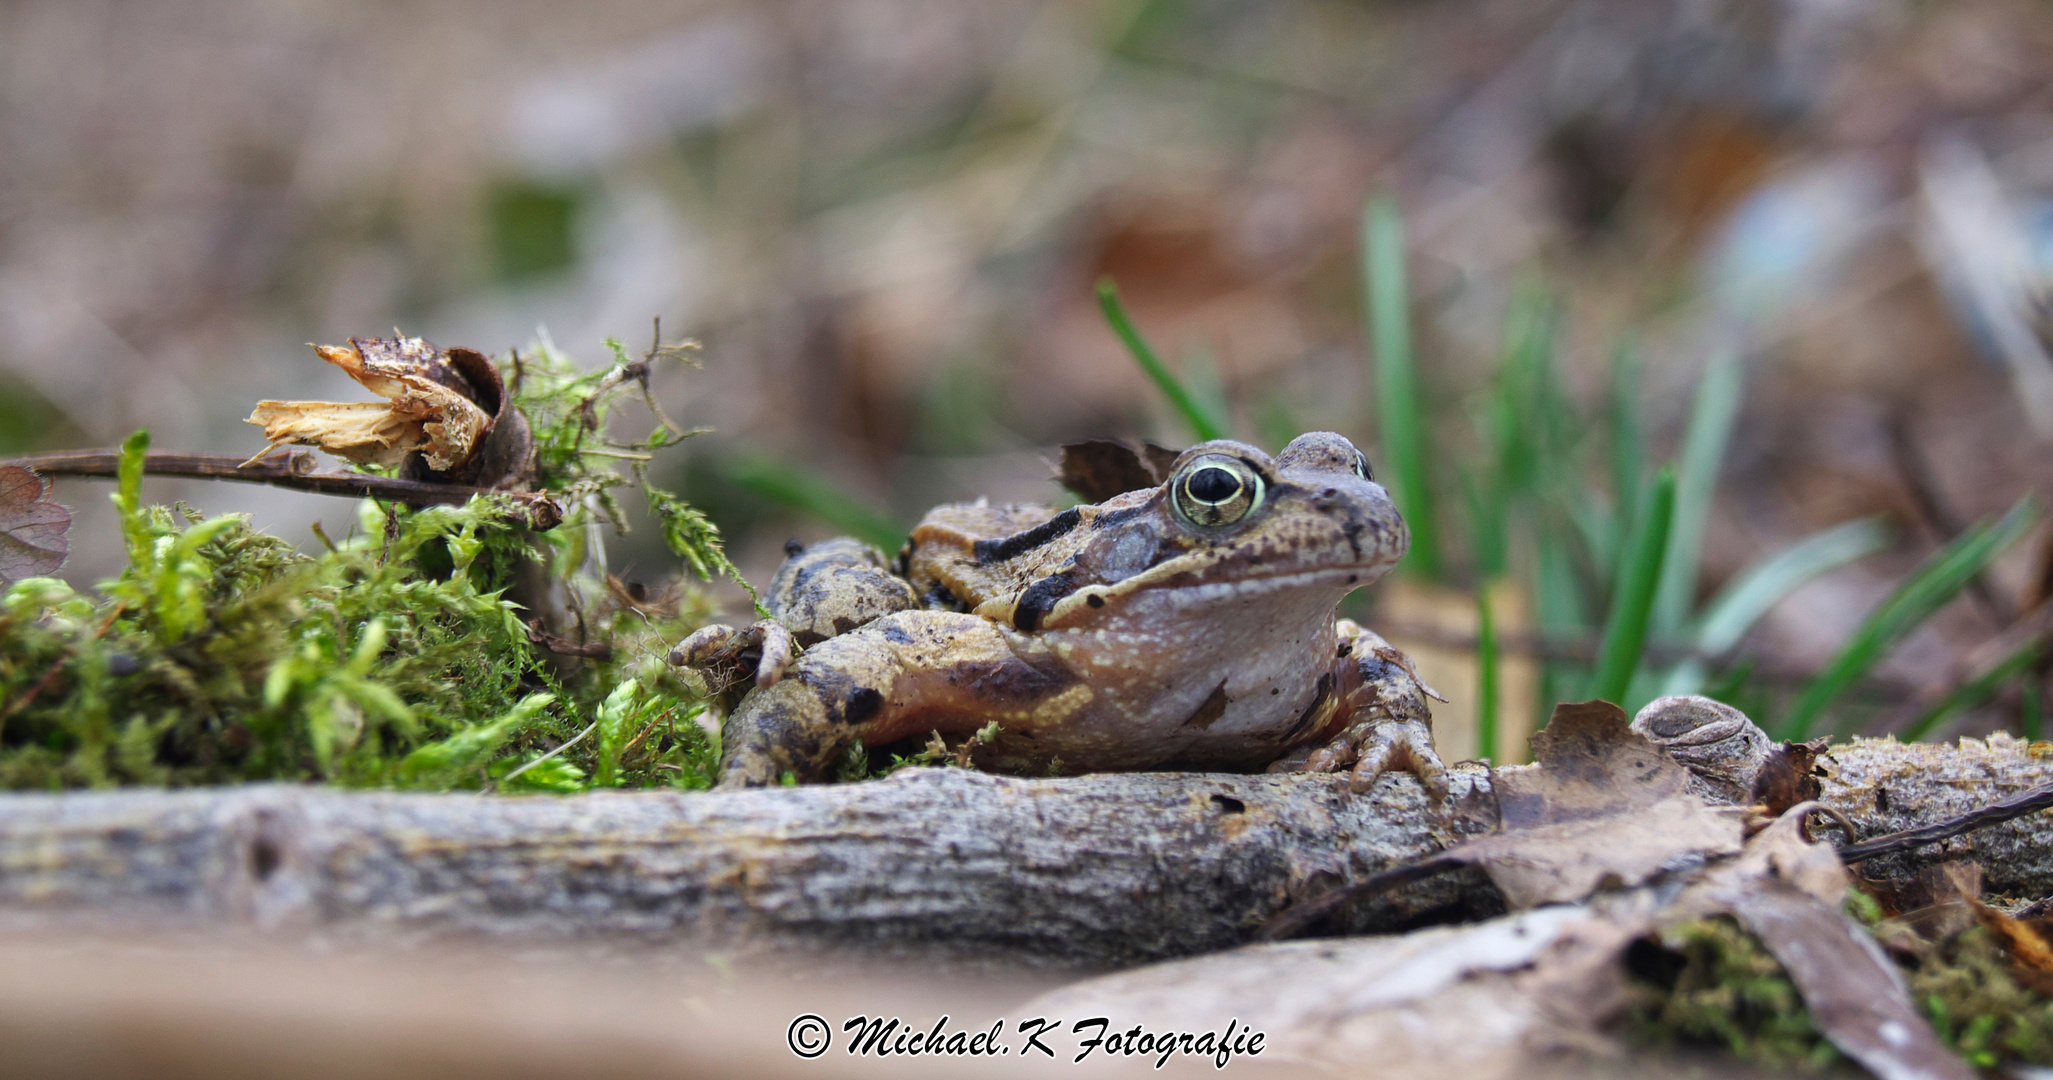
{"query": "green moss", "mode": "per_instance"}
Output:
(1718, 986)
(395, 658)
(1713, 984)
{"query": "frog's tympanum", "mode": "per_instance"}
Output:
(1185, 626)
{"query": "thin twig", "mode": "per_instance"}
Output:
(567, 744)
(1995, 813)
(1299, 917)
(294, 471)
(561, 646)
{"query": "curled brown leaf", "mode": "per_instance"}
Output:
(33, 540)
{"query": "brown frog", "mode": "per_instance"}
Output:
(1188, 625)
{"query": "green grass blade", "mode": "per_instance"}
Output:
(1925, 591)
(1400, 413)
(1696, 481)
(1202, 421)
(1632, 594)
(1755, 590)
(1976, 690)
(1486, 675)
(1627, 435)
(781, 483)
(1761, 586)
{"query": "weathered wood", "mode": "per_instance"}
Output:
(1101, 869)
(1108, 869)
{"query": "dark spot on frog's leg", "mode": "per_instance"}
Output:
(1213, 708)
(990, 551)
(1305, 718)
(1012, 681)
(1095, 600)
(1039, 598)
(793, 549)
(862, 705)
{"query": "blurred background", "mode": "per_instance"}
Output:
(884, 220)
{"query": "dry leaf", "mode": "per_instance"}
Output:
(1467, 1002)
(1098, 469)
(429, 407)
(32, 529)
(1604, 808)
(1790, 776)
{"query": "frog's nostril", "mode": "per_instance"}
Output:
(1329, 493)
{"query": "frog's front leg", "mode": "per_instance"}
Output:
(904, 674)
(1385, 723)
(830, 588)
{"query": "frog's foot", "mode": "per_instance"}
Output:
(724, 652)
(1369, 748)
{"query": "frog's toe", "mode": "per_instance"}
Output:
(703, 646)
(1399, 746)
(1368, 750)
(777, 651)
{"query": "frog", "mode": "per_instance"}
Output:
(1188, 625)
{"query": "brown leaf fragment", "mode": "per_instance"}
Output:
(1853, 993)
(1493, 999)
(1604, 808)
(429, 407)
(2025, 942)
(33, 540)
(1098, 469)
(1591, 764)
(1790, 776)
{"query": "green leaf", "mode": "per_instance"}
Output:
(1400, 413)
(1632, 591)
(1925, 591)
(1758, 588)
(1696, 481)
(801, 491)
(1203, 422)
(1977, 689)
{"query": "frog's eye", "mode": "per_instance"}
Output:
(1217, 490)
(1361, 466)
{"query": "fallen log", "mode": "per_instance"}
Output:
(1107, 870)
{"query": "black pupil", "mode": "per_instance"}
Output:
(1213, 485)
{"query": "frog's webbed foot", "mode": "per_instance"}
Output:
(1388, 726)
(724, 654)
(1370, 748)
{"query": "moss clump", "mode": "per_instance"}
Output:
(397, 657)
(1709, 983)
(1978, 1006)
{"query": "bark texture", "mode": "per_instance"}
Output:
(1107, 869)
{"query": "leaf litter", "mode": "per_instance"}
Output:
(33, 530)
(1602, 850)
